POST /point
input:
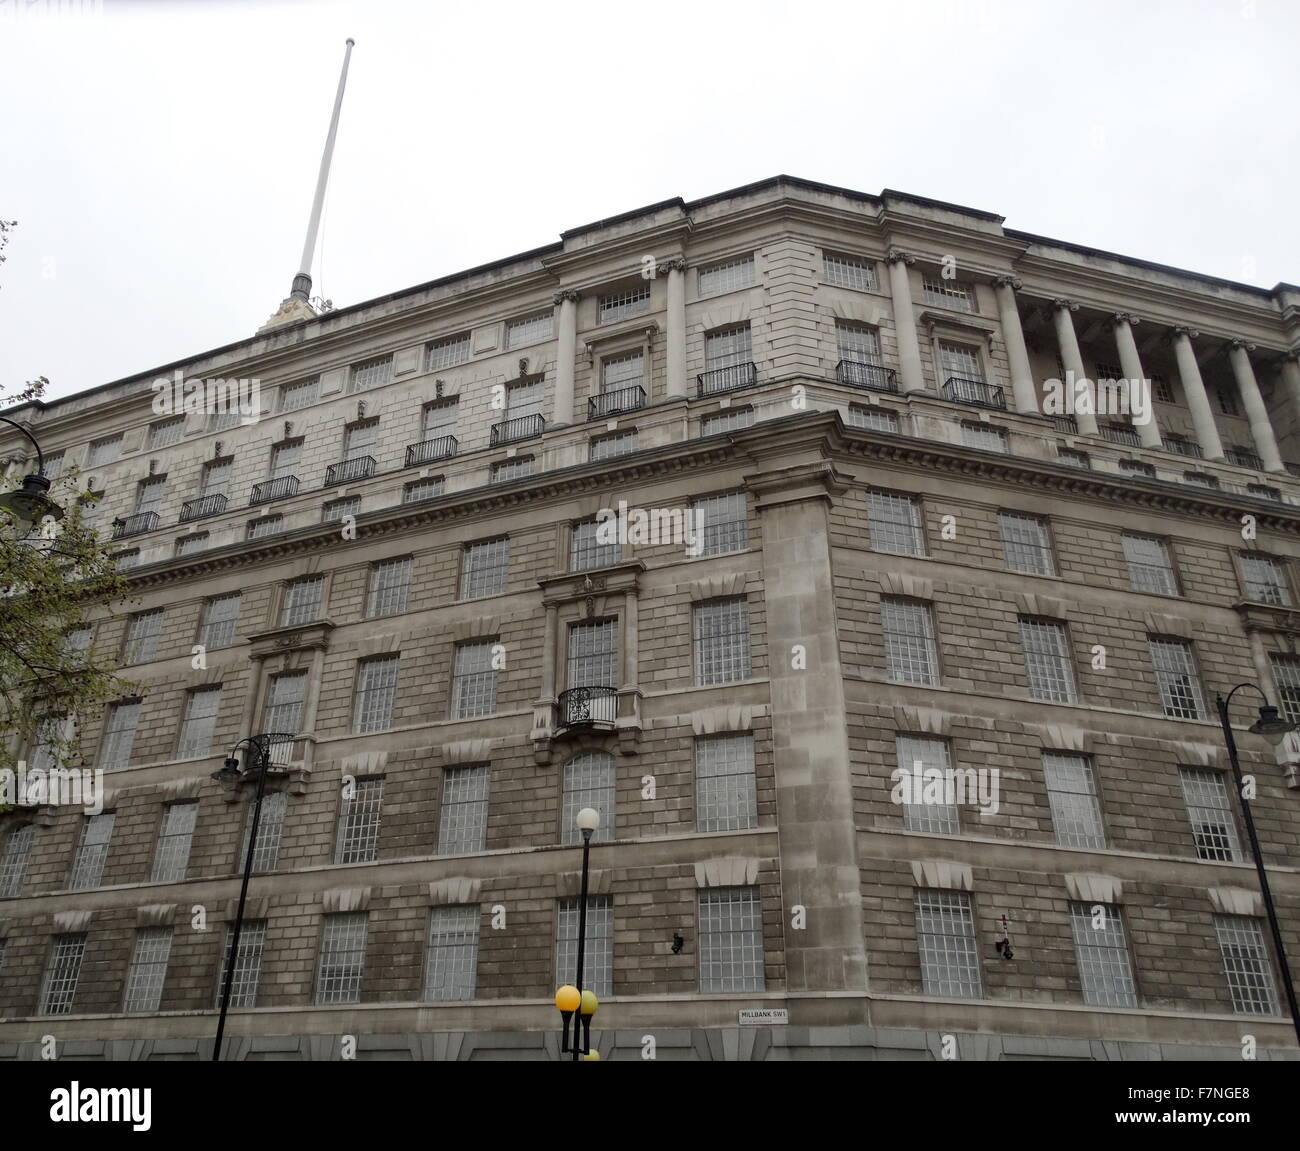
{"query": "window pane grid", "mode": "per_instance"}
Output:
(13, 864)
(475, 686)
(910, 655)
(284, 702)
(1264, 580)
(372, 373)
(598, 956)
(60, 984)
(358, 833)
(726, 276)
(922, 758)
(730, 420)
(849, 272)
(389, 582)
(447, 353)
(1247, 965)
(483, 569)
(530, 329)
(726, 797)
(724, 524)
(727, 348)
(144, 984)
(462, 822)
(201, 708)
(248, 963)
(588, 782)
(946, 940)
(119, 735)
(1025, 544)
(620, 372)
(593, 648)
(452, 959)
(174, 839)
(1072, 795)
(1105, 970)
(1047, 660)
(585, 550)
(1149, 566)
(342, 958)
(376, 694)
(142, 636)
(299, 395)
(722, 642)
(873, 418)
(948, 294)
(166, 432)
(1286, 674)
(425, 489)
(1180, 688)
(858, 343)
(92, 851)
(1214, 828)
(624, 304)
(984, 436)
(894, 523)
(515, 469)
(302, 601)
(731, 940)
(610, 447)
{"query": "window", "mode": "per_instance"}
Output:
(270, 831)
(986, 437)
(727, 348)
(342, 958)
(530, 329)
(1119, 433)
(216, 478)
(624, 304)
(426, 489)
(92, 851)
(849, 272)
(727, 420)
(439, 419)
(285, 459)
(142, 632)
(593, 654)
(78, 640)
(148, 970)
(336, 511)
(609, 447)
(926, 760)
(359, 439)
(192, 544)
(1150, 568)
(1214, 828)
(462, 822)
(300, 395)
(53, 468)
(126, 560)
(1264, 492)
(284, 702)
(447, 352)
(1048, 662)
(588, 782)
(1200, 480)
(721, 641)
(517, 468)
(524, 399)
(1072, 795)
(13, 863)
(1104, 967)
(910, 655)
(483, 568)
(474, 681)
(1227, 400)
(1136, 468)
(1181, 445)
(149, 495)
(1286, 674)
(373, 373)
(119, 734)
(726, 794)
(872, 418)
(726, 276)
(1161, 389)
(1180, 687)
(166, 432)
(731, 940)
(376, 693)
(59, 987)
(389, 583)
(248, 963)
(201, 707)
(302, 600)
(963, 363)
(1264, 579)
(174, 837)
(894, 524)
(452, 958)
(721, 521)
(1073, 459)
(358, 830)
(857, 343)
(219, 618)
(598, 957)
(585, 549)
(47, 744)
(1025, 544)
(619, 372)
(260, 529)
(945, 936)
(104, 451)
(1247, 965)
(943, 293)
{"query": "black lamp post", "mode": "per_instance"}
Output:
(230, 774)
(572, 1001)
(1273, 728)
(30, 503)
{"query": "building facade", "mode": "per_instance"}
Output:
(903, 569)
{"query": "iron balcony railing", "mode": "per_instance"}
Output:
(425, 452)
(974, 392)
(202, 507)
(860, 374)
(1119, 434)
(727, 379)
(1066, 424)
(1183, 447)
(520, 428)
(357, 468)
(580, 706)
(620, 400)
(276, 489)
(1243, 458)
(134, 525)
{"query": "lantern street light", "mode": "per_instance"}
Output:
(30, 504)
(571, 1000)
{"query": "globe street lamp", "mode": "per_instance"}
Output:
(572, 1001)
(30, 504)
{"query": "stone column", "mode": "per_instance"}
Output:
(631, 645)
(676, 350)
(1189, 374)
(1072, 358)
(1013, 335)
(1261, 428)
(1131, 365)
(548, 654)
(909, 347)
(566, 356)
(1291, 382)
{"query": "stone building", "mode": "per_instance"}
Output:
(906, 557)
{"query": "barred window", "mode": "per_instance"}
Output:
(873, 418)
(728, 347)
(142, 632)
(1025, 544)
(260, 529)
(285, 459)
(1286, 674)
(908, 629)
(216, 478)
(593, 654)
(119, 734)
(516, 468)
(588, 782)
(376, 694)
(426, 489)
(219, 618)
(284, 700)
(1105, 970)
(439, 418)
(1048, 662)
(373, 373)
(721, 519)
(336, 511)
(474, 683)
(894, 524)
(731, 940)
(175, 835)
(1150, 568)
(483, 568)
(945, 935)
(447, 352)
(104, 451)
(618, 372)
(1264, 579)
(1072, 795)
(1247, 965)
(248, 963)
(300, 395)
(148, 970)
(1176, 677)
(611, 446)
(389, 584)
(59, 988)
(726, 792)
(92, 851)
(726, 276)
(270, 832)
(342, 958)
(721, 641)
(857, 342)
(13, 863)
(201, 708)
(986, 437)
(302, 601)
(462, 821)
(358, 830)
(587, 552)
(192, 544)
(530, 329)
(452, 957)
(624, 304)
(165, 433)
(849, 272)
(598, 956)
(727, 420)
(948, 294)
(1214, 827)
(927, 761)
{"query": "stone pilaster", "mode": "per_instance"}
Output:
(909, 346)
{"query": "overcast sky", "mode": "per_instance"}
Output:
(160, 157)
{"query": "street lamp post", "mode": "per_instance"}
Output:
(30, 503)
(1273, 727)
(573, 1002)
